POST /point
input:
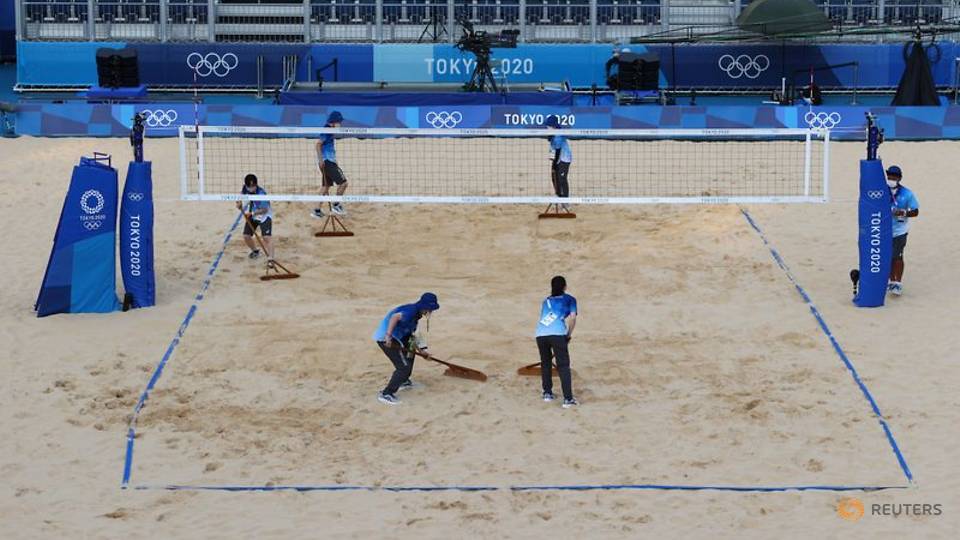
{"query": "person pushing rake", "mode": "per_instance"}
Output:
(396, 338)
(558, 318)
(260, 216)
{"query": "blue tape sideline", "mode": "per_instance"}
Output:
(585, 487)
(132, 427)
(836, 345)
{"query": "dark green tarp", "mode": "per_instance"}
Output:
(774, 17)
(916, 84)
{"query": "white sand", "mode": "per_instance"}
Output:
(696, 363)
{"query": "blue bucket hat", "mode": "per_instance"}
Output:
(893, 170)
(334, 117)
(552, 121)
(428, 302)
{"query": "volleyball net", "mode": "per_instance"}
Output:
(510, 166)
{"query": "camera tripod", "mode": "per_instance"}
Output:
(482, 77)
(434, 29)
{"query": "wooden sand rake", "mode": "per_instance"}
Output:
(279, 271)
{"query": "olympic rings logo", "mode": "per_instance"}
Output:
(159, 117)
(212, 64)
(91, 194)
(822, 120)
(444, 119)
(744, 65)
(92, 225)
(875, 194)
(135, 197)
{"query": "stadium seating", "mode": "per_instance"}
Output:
(52, 18)
(628, 11)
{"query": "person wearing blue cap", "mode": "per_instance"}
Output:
(904, 206)
(396, 339)
(558, 318)
(327, 163)
(560, 159)
(258, 216)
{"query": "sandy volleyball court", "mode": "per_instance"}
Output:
(696, 361)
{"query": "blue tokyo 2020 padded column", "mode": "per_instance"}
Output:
(876, 234)
(136, 235)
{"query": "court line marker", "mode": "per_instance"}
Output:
(519, 488)
(836, 345)
(158, 370)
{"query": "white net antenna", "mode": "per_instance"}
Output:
(504, 166)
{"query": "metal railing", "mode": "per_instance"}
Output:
(298, 21)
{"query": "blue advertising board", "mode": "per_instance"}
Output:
(164, 119)
(582, 65)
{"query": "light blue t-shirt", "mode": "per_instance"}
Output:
(255, 206)
(559, 142)
(405, 327)
(327, 150)
(553, 315)
(906, 200)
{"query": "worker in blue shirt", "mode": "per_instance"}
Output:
(395, 336)
(327, 163)
(259, 216)
(560, 159)
(558, 318)
(904, 205)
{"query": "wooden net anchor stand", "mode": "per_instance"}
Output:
(333, 226)
(554, 211)
(278, 270)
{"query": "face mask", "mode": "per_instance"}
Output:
(892, 183)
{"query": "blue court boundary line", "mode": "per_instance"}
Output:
(158, 370)
(836, 345)
(520, 488)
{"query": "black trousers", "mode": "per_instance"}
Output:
(899, 242)
(560, 185)
(402, 365)
(555, 347)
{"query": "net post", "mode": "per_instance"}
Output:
(183, 163)
(826, 166)
(808, 146)
(200, 190)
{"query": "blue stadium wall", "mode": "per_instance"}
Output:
(719, 65)
(72, 63)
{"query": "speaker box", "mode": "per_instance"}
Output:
(117, 68)
(635, 72)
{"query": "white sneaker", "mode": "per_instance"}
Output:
(897, 289)
(890, 285)
(548, 396)
(338, 209)
(572, 402)
(317, 212)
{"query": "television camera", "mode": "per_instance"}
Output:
(481, 43)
